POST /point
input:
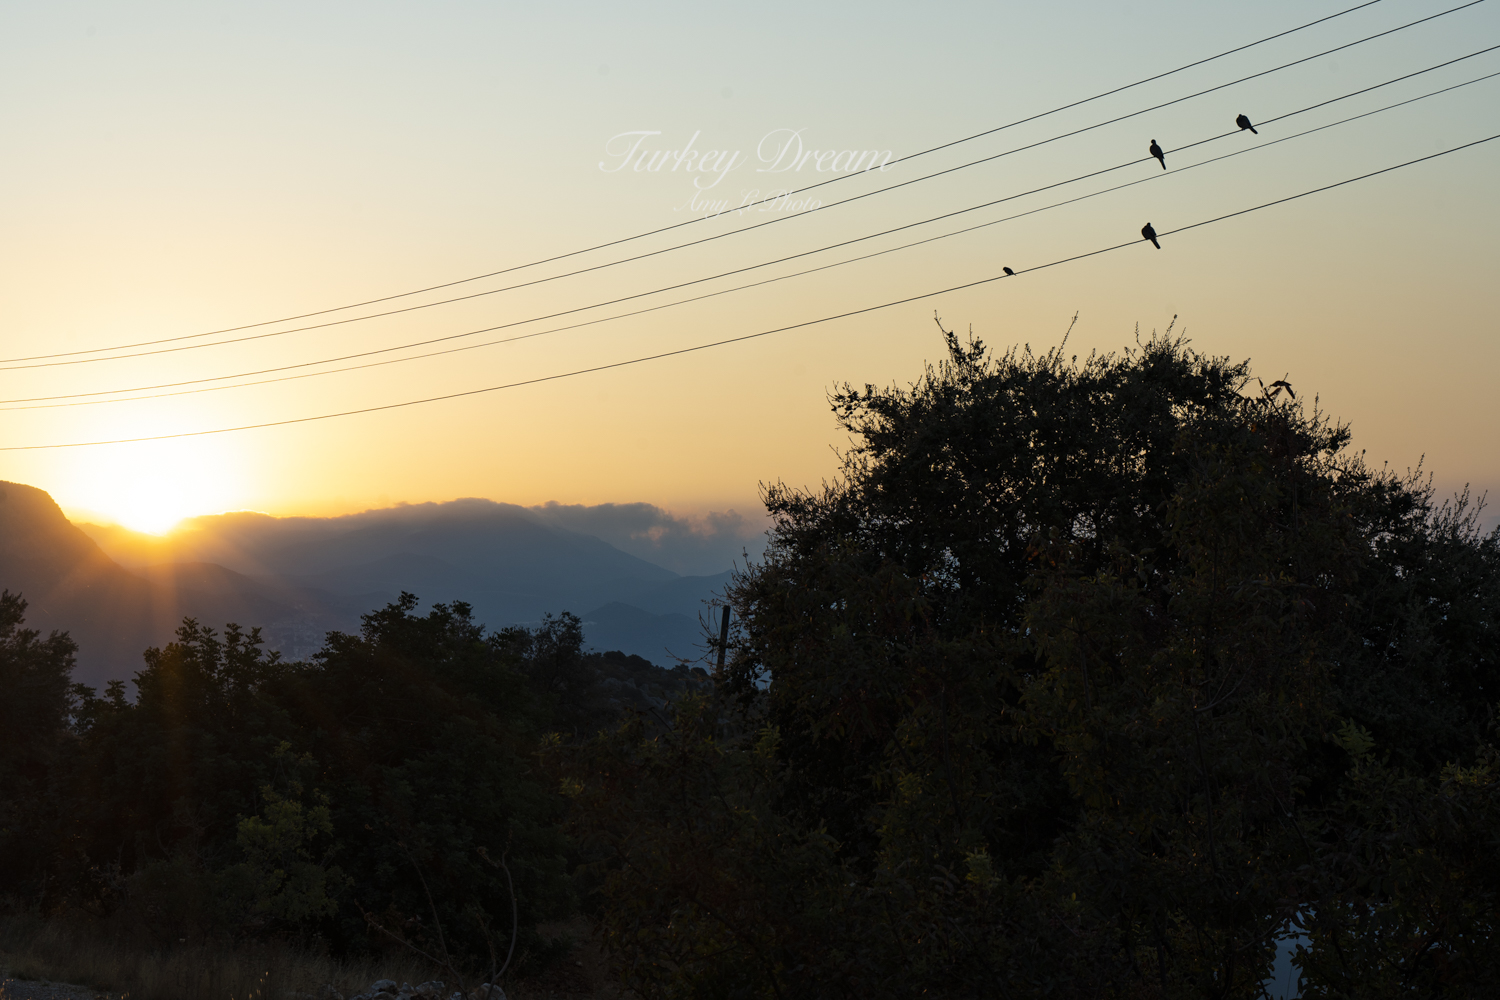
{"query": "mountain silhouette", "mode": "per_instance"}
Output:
(118, 591)
(624, 626)
(71, 585)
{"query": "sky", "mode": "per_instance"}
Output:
(172, 169)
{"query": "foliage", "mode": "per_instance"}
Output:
(1085, 678)
(1411, 881)
(36, 703)
(706, 924)
(1053, 672)
(286, 879)
(347, 800)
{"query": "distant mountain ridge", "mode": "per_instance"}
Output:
(118, 591)
(71, 585)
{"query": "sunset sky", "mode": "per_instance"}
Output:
(170, 169)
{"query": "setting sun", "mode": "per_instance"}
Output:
(153, 508)
(772, 514)
(151, 486)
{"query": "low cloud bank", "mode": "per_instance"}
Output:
(693, 545)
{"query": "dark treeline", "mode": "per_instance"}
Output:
(1085, 679)
(385, 794)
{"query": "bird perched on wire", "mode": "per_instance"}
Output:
(1244, 123)
(1156, 152)
(1147, 233)
(1008, 271)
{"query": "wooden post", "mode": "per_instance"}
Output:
(723, 637)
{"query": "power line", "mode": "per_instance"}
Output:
(754, 204)
(745, 337)
(653, 232)
(718, 236)
(44, 404)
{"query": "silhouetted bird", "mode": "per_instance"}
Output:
(1156, 152)
(1150, 234)
(1244, 123)
(1008, 271)
(1282, 383)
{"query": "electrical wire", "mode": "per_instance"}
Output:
(748, 336)
(653, 232)
(707, 239)
(8, 361)
(44, 404)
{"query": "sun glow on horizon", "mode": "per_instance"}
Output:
(149, 512)
(153, 486)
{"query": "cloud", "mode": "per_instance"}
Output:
(247, 542)
(693, 545)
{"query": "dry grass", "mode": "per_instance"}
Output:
(109, 960)
(116, 961)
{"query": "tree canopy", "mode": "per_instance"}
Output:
(1084, 678)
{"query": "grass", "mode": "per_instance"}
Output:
(114, 961)
(117, 960)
